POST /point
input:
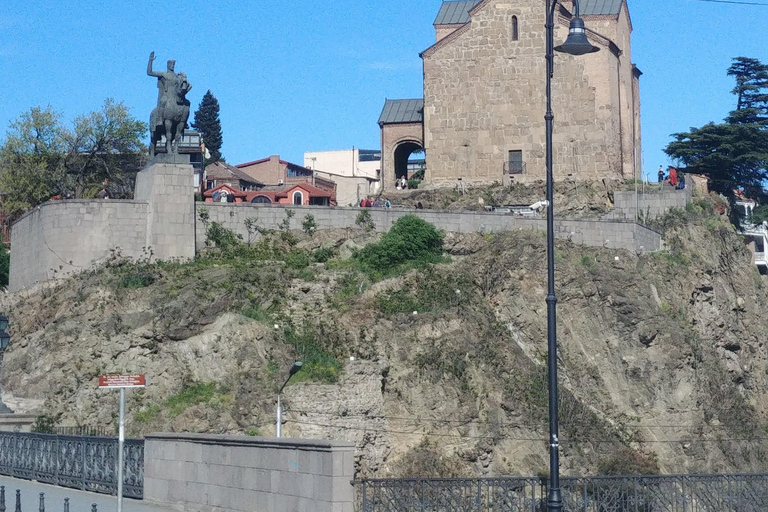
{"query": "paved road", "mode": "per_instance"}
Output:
(79, 501)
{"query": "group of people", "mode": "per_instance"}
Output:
(367, 202)
(401, 183)
(677, 180)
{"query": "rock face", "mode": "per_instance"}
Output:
(438, 371)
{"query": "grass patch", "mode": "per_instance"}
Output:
(319, 364)
(147, 415)
(426, 293)
(193, 394)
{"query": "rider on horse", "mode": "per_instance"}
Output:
(170, 116)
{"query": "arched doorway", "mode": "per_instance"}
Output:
(405, 164)
(261, 200)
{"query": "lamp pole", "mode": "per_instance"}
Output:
(279, 412)
(575, 44)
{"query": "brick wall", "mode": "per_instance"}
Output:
(63, 237)
(197, 472)
(649, 204)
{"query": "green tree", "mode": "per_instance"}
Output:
(208, 124)
(733, 154)
(41, 158)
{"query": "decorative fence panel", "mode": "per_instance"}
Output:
(676, 493)
(79, 462)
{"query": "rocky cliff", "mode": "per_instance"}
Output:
(431, 371)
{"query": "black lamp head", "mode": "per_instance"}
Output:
(295, 368)
(577, 42)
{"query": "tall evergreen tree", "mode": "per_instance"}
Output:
(208, 124)
(733, 154)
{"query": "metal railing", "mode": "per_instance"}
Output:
(79, 462)
(678, 493)
(84, 430)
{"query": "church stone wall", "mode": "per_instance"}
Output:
(484, 95)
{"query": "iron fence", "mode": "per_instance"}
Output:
(677, 493)
(80, 462)
(40, 503)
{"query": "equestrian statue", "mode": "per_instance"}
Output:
(170, 116)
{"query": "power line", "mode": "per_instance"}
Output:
(735, 2)
(528, 439)
(468, 421)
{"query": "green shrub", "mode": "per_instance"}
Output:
(216, 235)
(365, 221)
(414, 184)
(323, 254)
(44, 424)
(410, 240)
(296, 259)
(309, 225)
(319, 364)
(147, 414)
(253, 432)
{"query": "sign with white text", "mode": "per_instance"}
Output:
(122, 381)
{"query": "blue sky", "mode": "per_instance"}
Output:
(306, 75)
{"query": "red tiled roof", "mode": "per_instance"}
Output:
(229, 189)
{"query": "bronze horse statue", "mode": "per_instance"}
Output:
(170, 116)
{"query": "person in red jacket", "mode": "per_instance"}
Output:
(673, 176)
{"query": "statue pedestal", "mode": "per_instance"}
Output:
(167, 185)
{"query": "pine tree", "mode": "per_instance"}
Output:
(208, 124)
(733, 154)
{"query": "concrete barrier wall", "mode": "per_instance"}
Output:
(610, 234)
(204, 473)
(61, 237)
(651, 204)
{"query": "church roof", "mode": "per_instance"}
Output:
(453, 12)
(402, 111)
(596, 7)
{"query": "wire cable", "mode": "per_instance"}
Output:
(735, 2)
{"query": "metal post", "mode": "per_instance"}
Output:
(42, 502)
(2, 498)
(554, 498)
(93, 507)
(18, 501)
(120, 443)
(66, 504)
(279, 414)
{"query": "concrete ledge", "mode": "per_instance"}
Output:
(16, 422)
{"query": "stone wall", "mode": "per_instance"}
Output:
(613, 235)
(497, 84)
(63, 237)
(649, 204)
(204, 473)
(167, 190)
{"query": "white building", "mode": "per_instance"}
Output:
(357, 172)
(756, 234)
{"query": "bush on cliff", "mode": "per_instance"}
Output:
(411, 240)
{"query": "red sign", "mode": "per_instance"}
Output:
(122, 381)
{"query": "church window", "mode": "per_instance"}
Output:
(515, 33)
(515, 164)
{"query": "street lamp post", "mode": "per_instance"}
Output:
(279, 413)
(575, 44)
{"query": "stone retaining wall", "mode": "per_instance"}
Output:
(609, 234)
(204, 473)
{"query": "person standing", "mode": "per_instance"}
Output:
(673, 177)
(661, 175)
(387, 204)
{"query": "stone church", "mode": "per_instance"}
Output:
(481, 119)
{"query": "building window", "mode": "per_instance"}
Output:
(298, 199)
(515, 33)
(515, 163)
(210, 184)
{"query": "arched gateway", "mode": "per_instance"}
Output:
(402, 134)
